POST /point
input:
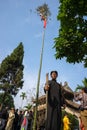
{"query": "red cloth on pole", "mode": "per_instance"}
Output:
(45, 22)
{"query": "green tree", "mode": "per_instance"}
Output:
(23, 96)
(8, 101)
(11, 71)
(72, 40)
(29, 106)
(81, 86)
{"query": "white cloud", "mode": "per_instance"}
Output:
(38, 35)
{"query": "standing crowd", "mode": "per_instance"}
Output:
(15, 119)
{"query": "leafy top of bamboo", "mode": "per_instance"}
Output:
(43, 10)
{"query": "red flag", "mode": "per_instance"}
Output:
(45, 22)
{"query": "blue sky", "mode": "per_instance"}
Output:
(19, 22)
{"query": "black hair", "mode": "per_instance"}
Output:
(54, 71)
(84, 89)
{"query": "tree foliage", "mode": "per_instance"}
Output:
(43, 10)
(11, 71)
(72, 40)
(8, 101)
(23, 95)
(82, 86)
(28, 107)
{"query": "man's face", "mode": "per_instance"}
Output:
(54, 75)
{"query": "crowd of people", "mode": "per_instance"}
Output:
(16, 119)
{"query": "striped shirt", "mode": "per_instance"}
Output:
(82, 97)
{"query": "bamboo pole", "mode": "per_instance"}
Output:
(47, 78)
(38, 82)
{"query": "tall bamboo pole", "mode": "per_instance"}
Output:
(47, 78)
(38, 82)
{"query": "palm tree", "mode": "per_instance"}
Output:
(81, 86)
(23, 96)
(29, 106)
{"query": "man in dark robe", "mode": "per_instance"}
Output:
(54, 103)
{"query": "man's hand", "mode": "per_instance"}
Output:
(64, 106)
(46, 87)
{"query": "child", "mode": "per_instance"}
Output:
(66, 122)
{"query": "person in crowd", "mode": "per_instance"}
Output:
(5, 115)
(20, 119)
(66, 122)
(81, 124)
(9, 125)
(24, 124)
(0, 107)
(2, 123)
(30, 120)
(82, 97)
(54, 102)
(15, 123)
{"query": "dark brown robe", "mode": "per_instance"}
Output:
(53, 121)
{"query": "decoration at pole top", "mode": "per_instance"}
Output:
(44, 13)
